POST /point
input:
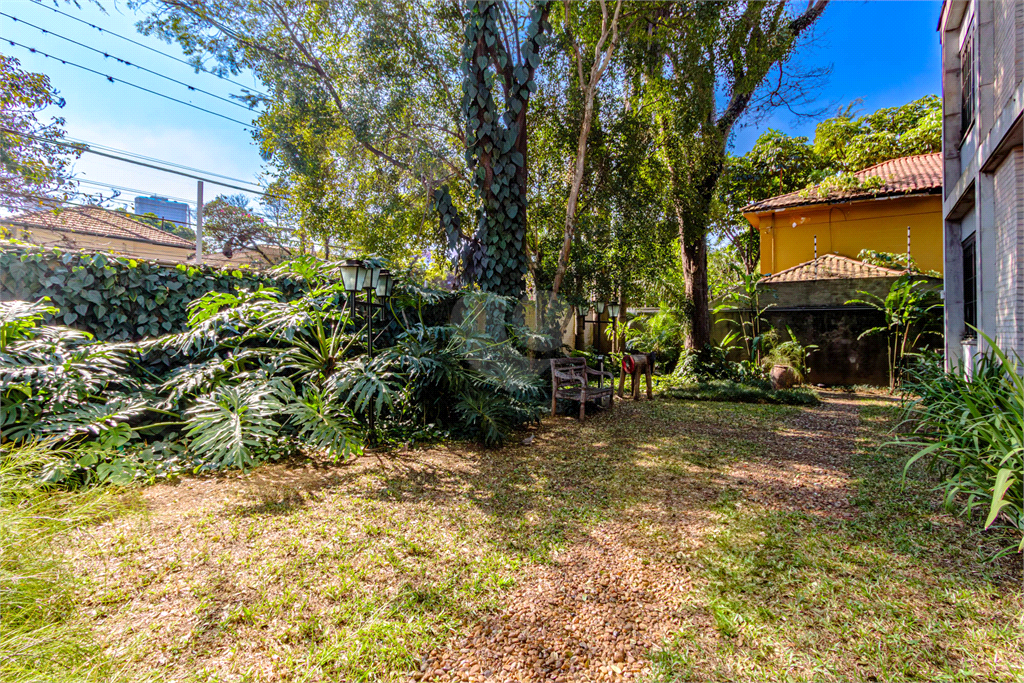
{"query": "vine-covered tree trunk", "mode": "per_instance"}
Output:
(495, 257)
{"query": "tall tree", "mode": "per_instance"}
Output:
(360, 106)
(847, 143)
(232, 225)
(699, 54)
(591, 66)
(501, 53)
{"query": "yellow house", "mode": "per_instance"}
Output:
(904, 210)
(92, 228)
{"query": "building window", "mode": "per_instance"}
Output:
(967, 84)
(970, 287)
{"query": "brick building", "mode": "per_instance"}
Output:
(983, 169)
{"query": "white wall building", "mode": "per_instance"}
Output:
(983, 164)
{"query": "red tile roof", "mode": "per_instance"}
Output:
(93, 220)
(920, 174)
(831, 267)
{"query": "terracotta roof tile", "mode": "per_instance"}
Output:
(93, 220)
(831, 267)
(920, 174)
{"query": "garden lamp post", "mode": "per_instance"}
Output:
(357, 276)
(598, 307)
(613, 312)
(353, 278)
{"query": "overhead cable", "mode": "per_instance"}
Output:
(151, 49)
(112, 79)
(81, 148)
(107, 55)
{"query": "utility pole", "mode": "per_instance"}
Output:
(199, 222)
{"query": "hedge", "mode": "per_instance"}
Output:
(120, 298)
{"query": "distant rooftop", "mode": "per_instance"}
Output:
(94, 220)
(831, 267)
(915, 175)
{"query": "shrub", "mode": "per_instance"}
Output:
(254, 377)
(701, 365)
(736, 392)
(969, 429)
(120, 298)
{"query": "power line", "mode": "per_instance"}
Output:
(123, 188)
(151, 49)
(126, 62)
(159, 195)
(143, 157)
(79, 148)
(112, 79)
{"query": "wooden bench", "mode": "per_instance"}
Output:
(570, 379)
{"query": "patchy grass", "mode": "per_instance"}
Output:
(742, 541)
(898, 592)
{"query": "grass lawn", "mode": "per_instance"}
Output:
(665, 540)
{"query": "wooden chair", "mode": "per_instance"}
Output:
(570, 379)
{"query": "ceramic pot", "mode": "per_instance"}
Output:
(784, 377)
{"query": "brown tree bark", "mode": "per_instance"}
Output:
(694, 256)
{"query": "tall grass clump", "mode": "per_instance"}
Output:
(40, 639)
(971, 430)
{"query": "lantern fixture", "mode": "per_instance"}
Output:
(350, 275)
(384, 284)
(372, 277)
(613, 310)
(599, 307)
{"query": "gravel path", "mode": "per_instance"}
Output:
(611, 598)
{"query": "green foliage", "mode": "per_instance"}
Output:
(32, 169)
(912, 310)
(888, 259)
(777, 164)
(848, 144)
(746, 300)
(790, 352)
(969, 430)
(116, 297)
(740, 392)
(47, 372)
(231, 422)
(706, 363)
(661, 334)
(255, 377)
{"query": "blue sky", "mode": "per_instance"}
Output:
(886, 53)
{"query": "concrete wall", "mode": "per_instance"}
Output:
(824, 293)
(787, 236)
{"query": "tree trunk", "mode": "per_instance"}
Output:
(574, 191)
(602, 58)
(695, 271)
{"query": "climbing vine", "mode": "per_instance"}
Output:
(496, 146)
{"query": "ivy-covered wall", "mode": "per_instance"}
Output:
(117, 297)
